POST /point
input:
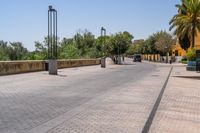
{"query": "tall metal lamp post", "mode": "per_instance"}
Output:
(52, 41)
(103, 37)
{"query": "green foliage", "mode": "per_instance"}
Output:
(157, 43)
(164, 42)
(131, 50)
(82, 45)
(120, 43)
(136, 49)
(191, 55)
(84, 41)
(4, 51)
(150, 44)
(184, 58)
(186, 22)
(70, 51)
(184, 61)
(40, 52)
(3, 55)
(14, 51)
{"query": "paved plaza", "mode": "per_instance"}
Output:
(117, 99)
(179, 110)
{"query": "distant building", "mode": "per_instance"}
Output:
(138, 41)
(178, 51)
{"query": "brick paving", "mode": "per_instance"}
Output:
(88, 99)
(68, 103)
(179, 110)
(123, 110)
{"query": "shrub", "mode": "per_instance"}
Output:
(184, 61)
(191, 55)
(184, 58)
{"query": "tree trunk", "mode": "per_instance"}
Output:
(193, 34)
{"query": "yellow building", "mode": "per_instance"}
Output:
(178, 51)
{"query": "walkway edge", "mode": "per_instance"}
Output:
(155, 107)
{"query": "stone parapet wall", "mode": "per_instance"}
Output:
(77, 63)
(15, 67)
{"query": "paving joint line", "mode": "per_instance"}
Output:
(156, 105)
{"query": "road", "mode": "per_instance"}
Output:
(117, 99)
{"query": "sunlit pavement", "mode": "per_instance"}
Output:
(179, 110)
(117, 99)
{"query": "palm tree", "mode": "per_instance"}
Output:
(187, 21)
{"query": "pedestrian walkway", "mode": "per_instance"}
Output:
(124, 109)
(116, 99)
(179, 110)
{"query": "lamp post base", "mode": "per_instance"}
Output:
(53, 67)
(103, 62)
(119, 60)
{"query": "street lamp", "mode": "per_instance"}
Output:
(103, 40)
(52, 40)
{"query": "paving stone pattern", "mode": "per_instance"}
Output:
(117, 99)
(179, 110)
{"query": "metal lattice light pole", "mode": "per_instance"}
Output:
(52, 40)
(103, 40)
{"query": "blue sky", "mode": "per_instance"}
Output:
(26, 20)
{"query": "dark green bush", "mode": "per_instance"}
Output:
(184, 61)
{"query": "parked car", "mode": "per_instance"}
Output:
(137, 58)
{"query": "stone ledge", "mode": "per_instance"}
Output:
(15, 67)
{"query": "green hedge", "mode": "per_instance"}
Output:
(184, 61)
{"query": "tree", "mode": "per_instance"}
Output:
(84, 41)
(132, 50)
(120, 43)
(187, 21)
(103, 48)
(150, 44)
(82, 45)
(4, 51)
(40, 52)
(165, 42)
(17, 51)
(69, 52)
(68, 49)
(138, 48)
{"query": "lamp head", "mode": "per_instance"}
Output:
(50, 7)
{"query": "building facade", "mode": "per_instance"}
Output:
(178, 51)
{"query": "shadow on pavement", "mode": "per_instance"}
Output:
(126, 64)
(190, 77)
